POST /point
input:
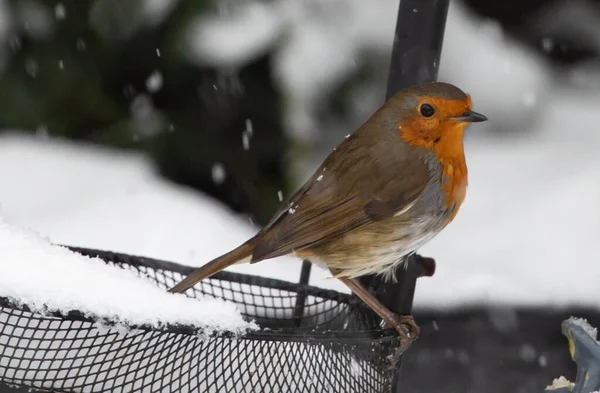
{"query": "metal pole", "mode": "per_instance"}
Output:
(301, 295)
(417, 44)
(415, 59)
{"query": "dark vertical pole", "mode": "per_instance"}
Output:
(301, 295)
(417, 44)
(415, 59)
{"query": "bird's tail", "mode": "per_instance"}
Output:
(239, 255)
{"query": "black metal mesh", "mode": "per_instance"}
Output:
(311, 340)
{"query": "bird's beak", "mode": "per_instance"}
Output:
(470, 117)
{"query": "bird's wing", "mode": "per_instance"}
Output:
(366, 179)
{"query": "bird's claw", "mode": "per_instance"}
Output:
(407, 328)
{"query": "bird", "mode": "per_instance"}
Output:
(386, 190)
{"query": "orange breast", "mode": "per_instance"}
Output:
(446, 141)
(455, 183)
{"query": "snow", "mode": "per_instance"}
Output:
(218, 173)
(316, 45)
(560, 382)
(84, 195)
(53, 278)
(60, 12)
(355, 367)
(584, 324)
(247, 135)
(154, 82)
(156, 11)
(233, 39)
(526, 234)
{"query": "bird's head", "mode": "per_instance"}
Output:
(433, 116)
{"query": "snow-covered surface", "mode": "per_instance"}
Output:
(525, 235)
(93, 197)
(52, 278)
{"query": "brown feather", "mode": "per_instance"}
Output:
(344, 194)
(238, 255)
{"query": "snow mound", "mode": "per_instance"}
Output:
(46, 277)
(88, 196)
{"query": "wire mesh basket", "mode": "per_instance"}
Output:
(310, 340)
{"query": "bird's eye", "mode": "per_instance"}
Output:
(427, 110)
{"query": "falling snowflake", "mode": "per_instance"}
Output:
(60, 12)
(154, 82)
(247, 134)
(218, 173)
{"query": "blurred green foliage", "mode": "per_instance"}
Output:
(83, 70)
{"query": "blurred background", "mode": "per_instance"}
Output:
(174, 128)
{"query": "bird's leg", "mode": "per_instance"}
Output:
(405, 325)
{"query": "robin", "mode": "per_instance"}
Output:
(386, 190)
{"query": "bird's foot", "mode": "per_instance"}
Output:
(407, 329)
